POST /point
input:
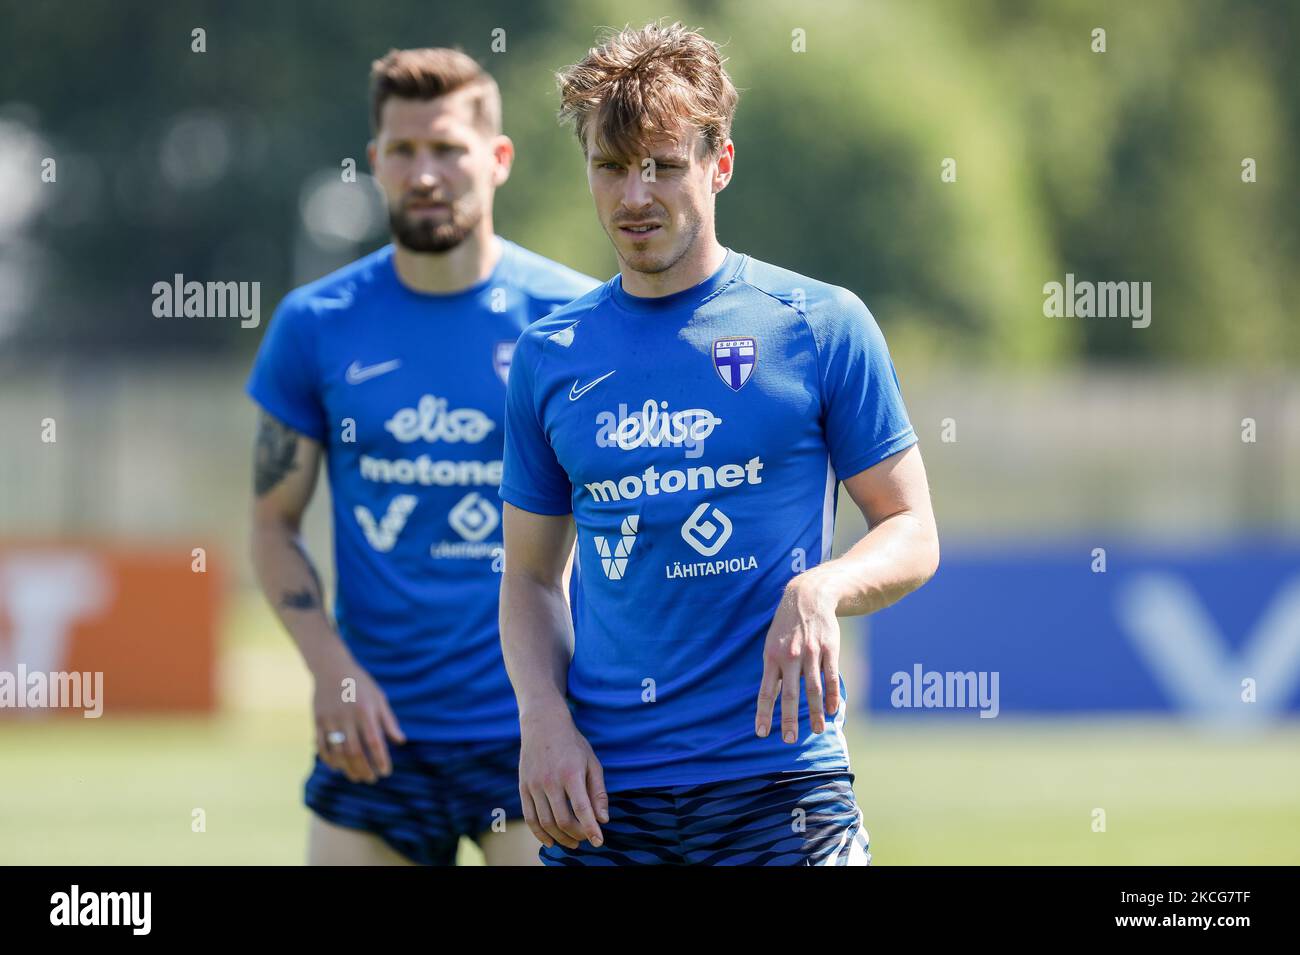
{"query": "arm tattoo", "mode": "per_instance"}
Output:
(300, 600)
(308, 598)
(274, 454)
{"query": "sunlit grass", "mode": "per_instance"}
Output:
(127, 790)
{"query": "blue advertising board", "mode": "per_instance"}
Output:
(1211, 633)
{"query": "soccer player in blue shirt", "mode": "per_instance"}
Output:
(691, 421)
(393, 370)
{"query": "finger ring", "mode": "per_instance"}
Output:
(336, 738)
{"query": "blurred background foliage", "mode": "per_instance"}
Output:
(1116, 166)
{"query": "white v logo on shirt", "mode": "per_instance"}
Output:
(382, 535)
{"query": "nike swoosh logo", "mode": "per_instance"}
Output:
(356, 374)
(575, 392)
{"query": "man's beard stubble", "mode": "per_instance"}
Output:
(691, 228)
(424, 235)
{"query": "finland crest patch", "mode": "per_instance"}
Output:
(501, 357)
(735, 360)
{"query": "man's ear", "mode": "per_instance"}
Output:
(503, 150)
(723, 166)
(371, 152)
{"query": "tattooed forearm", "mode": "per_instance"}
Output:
(307, 598)
(300, 600)
(306, 559)
(274, 454)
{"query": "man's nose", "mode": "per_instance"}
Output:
(636, 191)
(424, 171)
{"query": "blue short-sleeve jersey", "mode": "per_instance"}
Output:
(406, 392)
(698, 439)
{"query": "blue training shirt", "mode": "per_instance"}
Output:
(698, 440)
(406, 392)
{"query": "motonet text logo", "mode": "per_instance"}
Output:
(652, 481)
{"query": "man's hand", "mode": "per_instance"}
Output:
(561, 783)
(803, 641)
(364, 720)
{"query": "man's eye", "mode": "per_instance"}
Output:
(402, 148)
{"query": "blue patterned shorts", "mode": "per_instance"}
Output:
(808, 818)
(437, 793)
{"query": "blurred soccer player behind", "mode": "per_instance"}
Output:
(393, 369)
(704, 506)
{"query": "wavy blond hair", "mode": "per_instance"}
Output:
(646, 82)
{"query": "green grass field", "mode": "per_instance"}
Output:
(124, 790)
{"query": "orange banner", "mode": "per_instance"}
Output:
(93, 629)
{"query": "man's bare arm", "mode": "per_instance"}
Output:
(899, 553)
(536, 629)
(561, 782)
(285, 469)
(900, 550)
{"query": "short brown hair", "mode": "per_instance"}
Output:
(429, 73)
(644, 82)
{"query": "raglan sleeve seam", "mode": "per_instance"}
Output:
(511, 493)
(306, 352)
